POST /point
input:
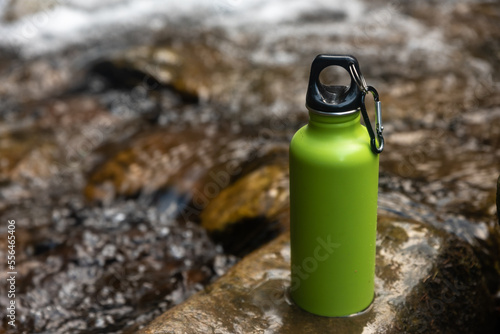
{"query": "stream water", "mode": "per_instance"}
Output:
(116, 115)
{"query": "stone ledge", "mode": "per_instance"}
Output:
(426, 281)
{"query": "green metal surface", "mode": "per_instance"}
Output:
(333, 200)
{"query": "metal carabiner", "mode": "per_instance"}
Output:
(378, 125)
(359, 79)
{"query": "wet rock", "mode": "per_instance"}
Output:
(184, 158)
(209, 85)
(236, 187)
(426, 280)
(26, 154)
(186, 72)
(197, 160)
(54, 142)
(17, 9)
(250, 211)
(37, 79)
(111, 269)
(55, 134)
(199, 70)
(262, 193)
(432, 305)
(476, 24)
(451, 183)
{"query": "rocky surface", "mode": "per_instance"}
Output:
(417, 290)
(156, 141)
(106, 261)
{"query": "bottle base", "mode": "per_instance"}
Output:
(290, 300)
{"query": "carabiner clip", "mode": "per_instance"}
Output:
(378, 125)
(358, 79)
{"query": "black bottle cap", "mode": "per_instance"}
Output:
(333, 99)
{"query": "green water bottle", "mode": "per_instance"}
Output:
(334, 163)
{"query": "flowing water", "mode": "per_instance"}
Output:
(122, 120)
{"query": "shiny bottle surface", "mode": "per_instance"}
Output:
(333, 201)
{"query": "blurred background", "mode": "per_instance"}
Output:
(143, 144)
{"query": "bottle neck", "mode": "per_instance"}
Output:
(336, 121)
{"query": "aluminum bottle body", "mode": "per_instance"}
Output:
(333, 201)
